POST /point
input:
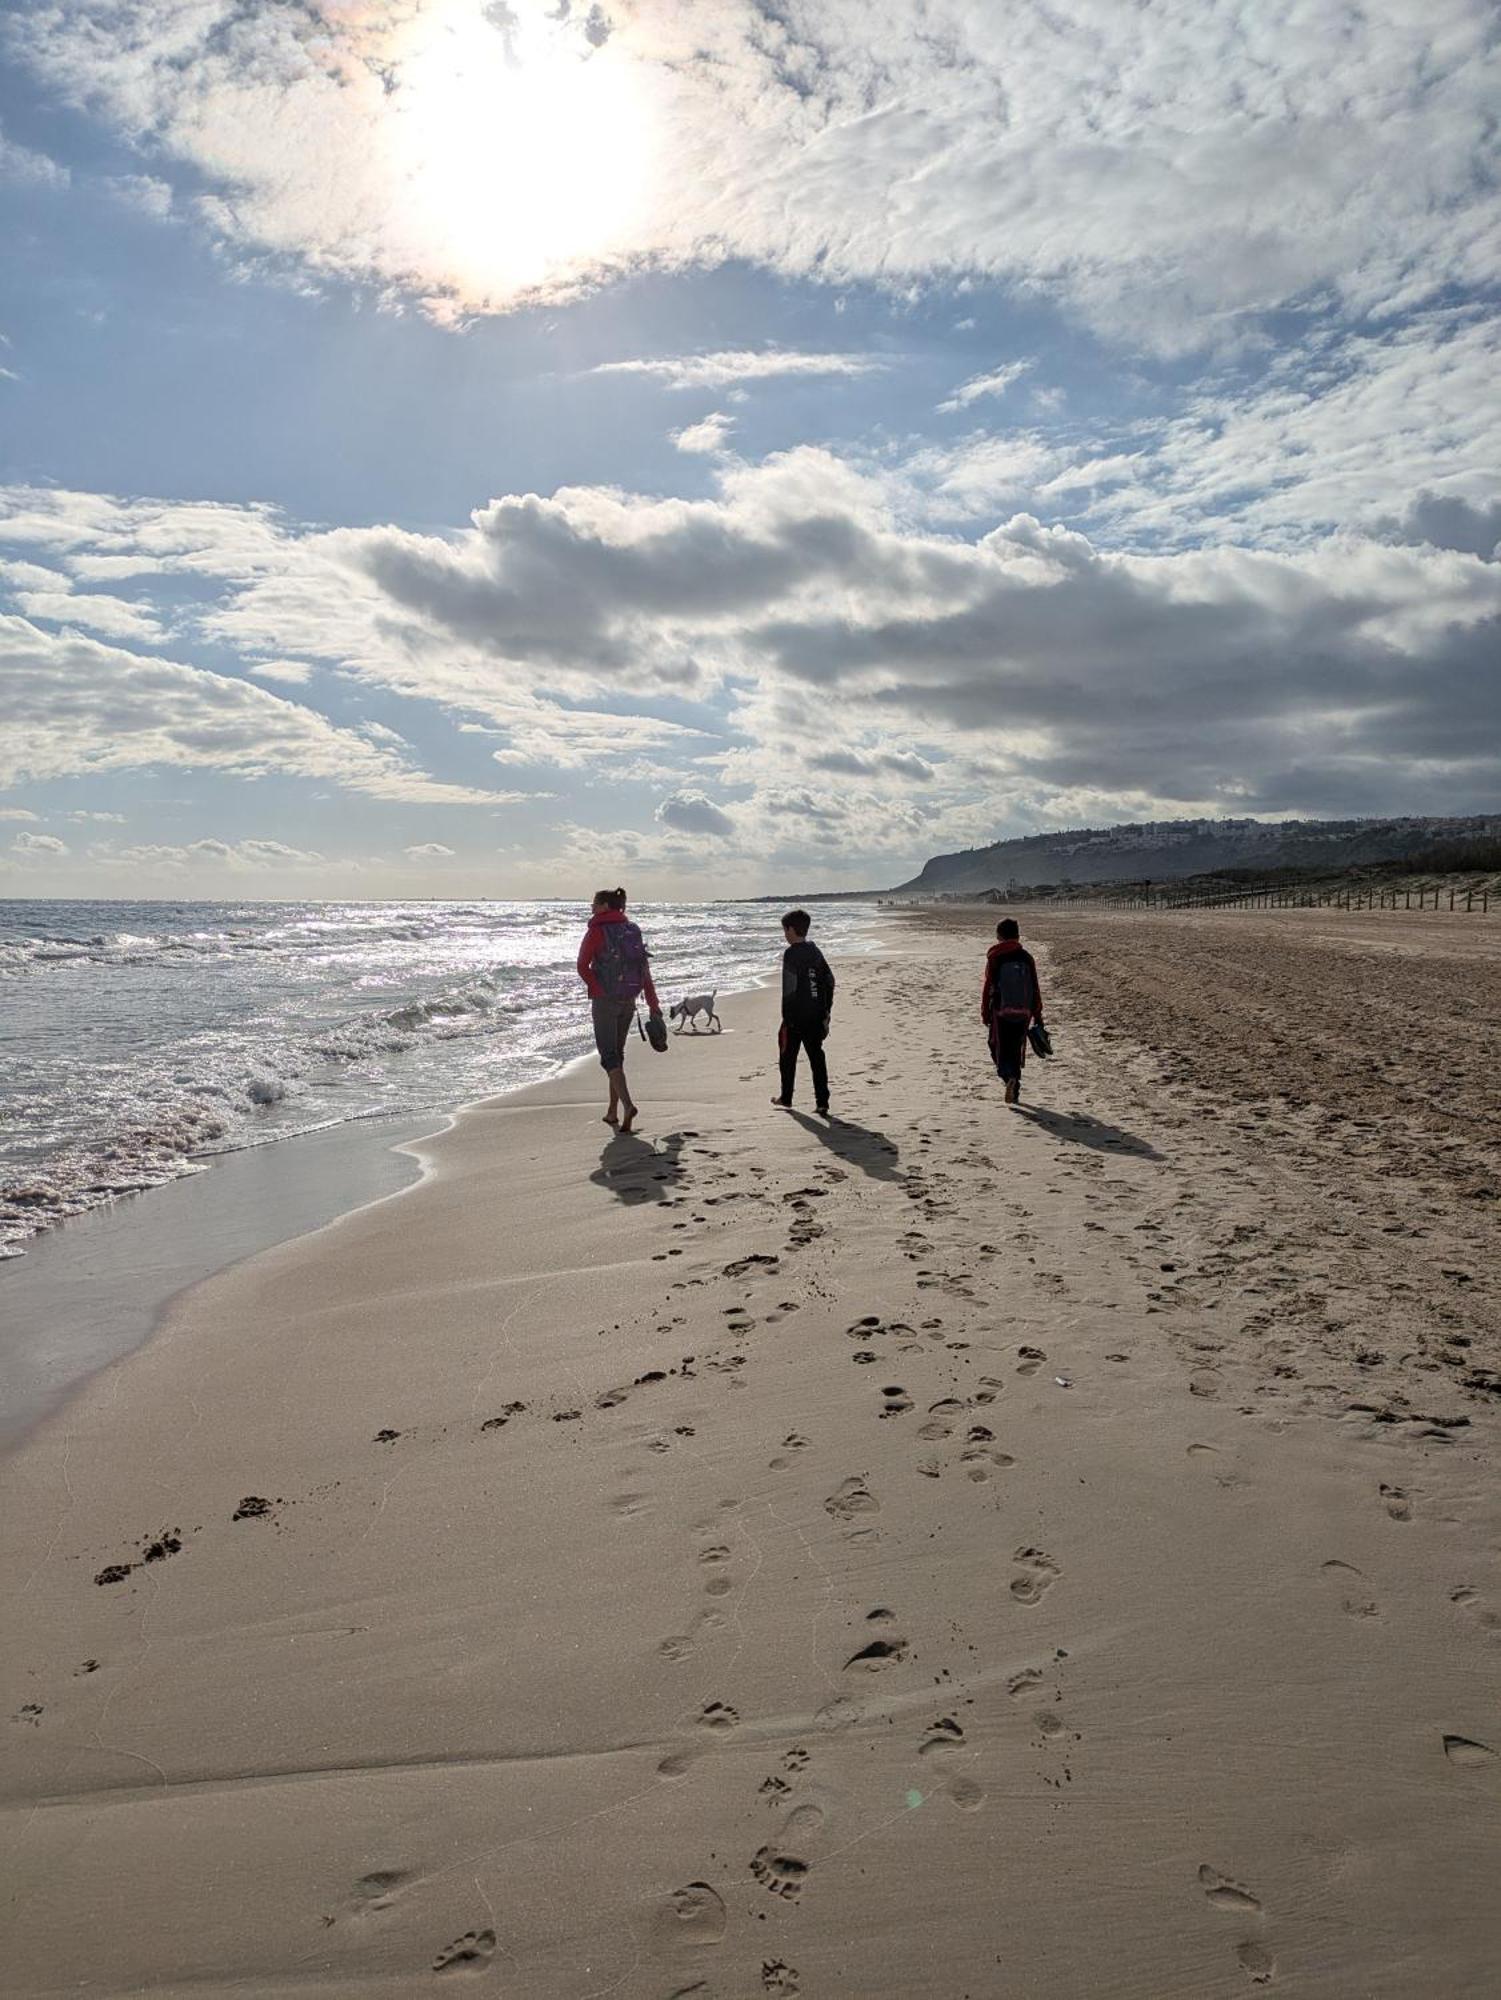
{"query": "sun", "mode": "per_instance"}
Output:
(520, 146)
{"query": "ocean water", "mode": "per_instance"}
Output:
(138, 1040)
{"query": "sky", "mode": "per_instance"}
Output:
(504, 447)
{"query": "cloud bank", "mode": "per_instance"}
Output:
(828, 668)
(1214, 159)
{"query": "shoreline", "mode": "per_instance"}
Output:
(192, 1231)
(101, 1282)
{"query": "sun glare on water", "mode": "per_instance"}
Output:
(522, 148)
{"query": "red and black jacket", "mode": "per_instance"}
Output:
(1011, 991)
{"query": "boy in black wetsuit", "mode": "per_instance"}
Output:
(807, 997)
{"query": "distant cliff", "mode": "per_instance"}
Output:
(1164, 850)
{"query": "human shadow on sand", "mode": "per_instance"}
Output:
(636, 1169)
(1093, 1132)
(872, 1152)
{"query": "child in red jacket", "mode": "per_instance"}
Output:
(1010, 1001)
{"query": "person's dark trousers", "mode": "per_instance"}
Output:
(1008, 1044)
(804, 1035)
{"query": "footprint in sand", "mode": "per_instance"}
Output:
(840, 1713)
(966, 1794)
(1024, 1683)
(1467, 1753)
(1225, 1894)
(782, 1874)
(1398, 1502)
(980, 1457)
(470, 1953)
(990, 1387)
(1031, 1360)
(498, 1423)
(944, 1738)
(718, 1716)
(793, 1442)
(379, 1890)
(777, 1976)
(1040, 1574)
(877, 1656)
(1257, 1963)
(692, 1917)
(1355, 1601)
(1469, 1599)
(852, 1496)
(942, 1417)
(1205, 1382)
(896, 1402)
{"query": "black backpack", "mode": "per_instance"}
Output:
(1011, 984)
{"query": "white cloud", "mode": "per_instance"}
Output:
(294, 673)
(986, 473)
(237, 856)
(18, 813)
(542, 732)
(1337, 430)
(732, 367)
(710, 434)
(23, 163)
(33, 576)
(994, 384)
(904, 764)
(429, 850)
(75, 705)
(1163, 170)
(94, 610)
(38, 846)
(144, 193)
(1341, 431)
(692, 812)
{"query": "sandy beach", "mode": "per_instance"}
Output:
(945, 1551)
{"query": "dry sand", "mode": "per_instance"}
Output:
(949, 1552)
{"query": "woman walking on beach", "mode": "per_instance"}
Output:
(1010, 1001)
(616, 968)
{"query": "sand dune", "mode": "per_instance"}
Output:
(945, 1551)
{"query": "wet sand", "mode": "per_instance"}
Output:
(946, 1551)
(89, 1292)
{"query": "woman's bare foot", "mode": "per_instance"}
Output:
(609, 1119)
(628, 1121)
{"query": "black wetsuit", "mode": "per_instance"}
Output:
(807, 996)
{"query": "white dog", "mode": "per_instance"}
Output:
(686, 1013)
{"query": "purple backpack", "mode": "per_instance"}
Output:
(620, 962)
